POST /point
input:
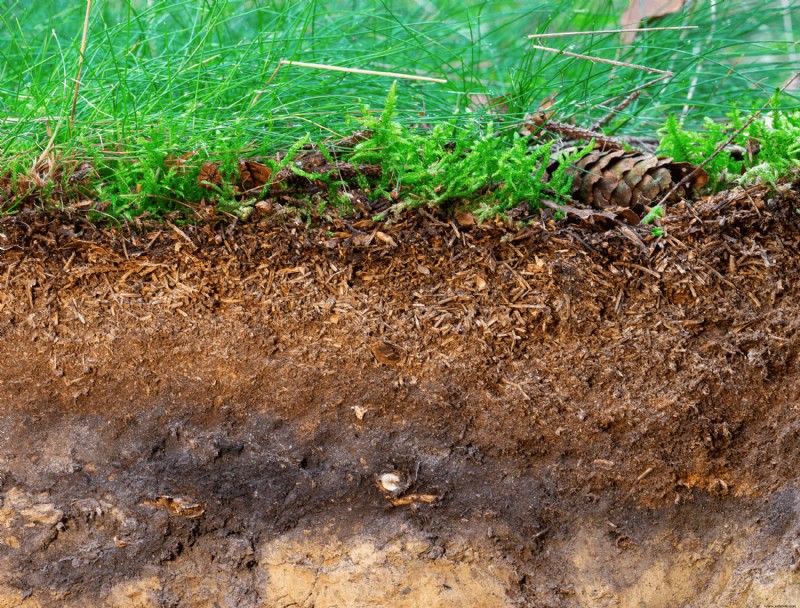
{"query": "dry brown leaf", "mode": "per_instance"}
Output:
(362, 240)
(364, 224)
(478, 102)
(178, 161)
(626, 215)
(641, 10)
(385, 238)
(547, 104)
(79, 175)
(266, 207)
(594, 215)
(584, 214)
(544, 112)
(253, 175)
(465, 219)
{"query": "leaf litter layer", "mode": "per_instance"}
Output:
(223, 397)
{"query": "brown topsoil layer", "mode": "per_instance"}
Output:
(577, 415)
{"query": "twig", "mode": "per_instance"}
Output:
(642, 86)
(615, 110)
(80, 64)
(574, 132)
(620, 31)
(721, 146)
(591, 132)
(622, 64)
(664, 74)
(336, 68)
(14, 120)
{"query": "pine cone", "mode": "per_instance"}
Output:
(615, 178)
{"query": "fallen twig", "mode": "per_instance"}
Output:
(615, 110)
(575, 132)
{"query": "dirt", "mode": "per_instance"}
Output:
(424, 413)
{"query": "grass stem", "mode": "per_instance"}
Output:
(80, 64)
(617, 31)
(622, 64)
(336, 68)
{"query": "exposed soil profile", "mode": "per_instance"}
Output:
(430, 413)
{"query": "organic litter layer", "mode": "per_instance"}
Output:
(201, 414)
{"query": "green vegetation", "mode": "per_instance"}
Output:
(446, 165)
(766, 150)
(163, 80)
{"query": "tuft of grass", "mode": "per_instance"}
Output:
(162, 79)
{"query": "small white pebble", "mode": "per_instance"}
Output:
(390, 482)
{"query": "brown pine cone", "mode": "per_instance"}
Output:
(615, 178)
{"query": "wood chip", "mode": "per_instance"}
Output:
(386, 352)
(385, 238)
(180, 507)
(412, 498)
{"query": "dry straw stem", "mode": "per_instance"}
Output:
(336, 68)
(80, 64)
(723, 145)
(621, 64)
(618, 31)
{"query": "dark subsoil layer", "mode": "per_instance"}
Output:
(577, 415)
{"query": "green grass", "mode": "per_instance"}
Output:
(161, 79)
